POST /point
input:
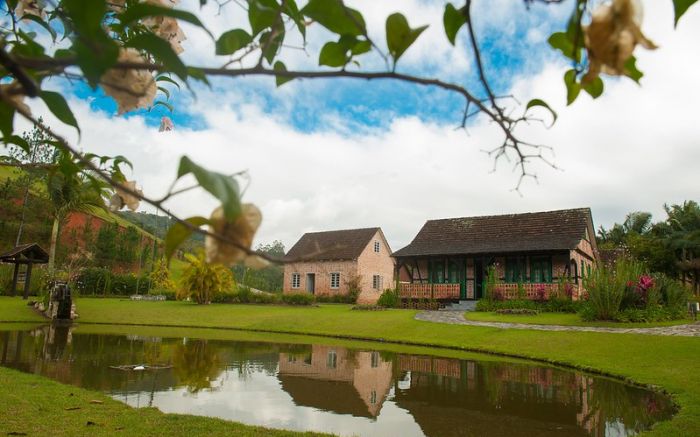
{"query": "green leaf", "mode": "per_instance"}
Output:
(224, 188)
(165, 91)
(336, 17)
(96, 51)
(453, 20)
(680, 7)
(595, 87)
(178, 233)
(7, 115)
(197, 74)
(17, 140)
(573, 88)
(631, 69)
(58, 107)
(161, 50)
(271, 46)
(281, 80)
(399, 36)
(41, 23)
(262, 14)
(333, 54)
(139, 11)
(167, 105)
(539, 102)
(162, 78)
(232, 41)
(561, 42)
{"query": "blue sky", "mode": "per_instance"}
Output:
(337, 154)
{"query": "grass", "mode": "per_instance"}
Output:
(33, 405)
(564, 319)
(668, 362)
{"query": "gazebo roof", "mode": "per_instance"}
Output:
(25, 253)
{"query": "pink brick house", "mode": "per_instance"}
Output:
(327, 263)
(449, 258)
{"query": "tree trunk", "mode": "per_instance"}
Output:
(54, 241)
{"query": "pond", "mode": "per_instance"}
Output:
(347, 391)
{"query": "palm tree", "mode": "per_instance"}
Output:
(69, 193)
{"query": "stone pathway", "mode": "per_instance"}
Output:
(457, 318)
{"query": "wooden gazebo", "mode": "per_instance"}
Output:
(28, 254)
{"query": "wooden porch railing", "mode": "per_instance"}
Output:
(423, 291)
(533, 291)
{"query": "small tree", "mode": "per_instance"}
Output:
(160, 276)
(201, 281)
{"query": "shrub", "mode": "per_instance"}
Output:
(201, 281)
(672, 293)
(607, 287)
(354, 289)
(368, 307)
(161, 275)
(389, 299)
(94, 281)
(336, 298)
(551, 306)
(169, 294)
(298, 299)
(518, 311)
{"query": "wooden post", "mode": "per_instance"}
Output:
(15, 276)
(27, 280)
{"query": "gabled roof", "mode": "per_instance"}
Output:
(23, 252)
(346, 244)
(535, 231)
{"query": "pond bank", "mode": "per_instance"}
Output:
(665, 361)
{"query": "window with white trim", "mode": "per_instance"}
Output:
(377, 282)
(296, 280)
(335, 280)
(376, 246)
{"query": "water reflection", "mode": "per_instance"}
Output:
(335, 389)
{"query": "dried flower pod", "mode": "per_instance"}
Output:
(121, 198)
(256, 262)
(30, 7)
(14, 92)
(168, 29)
(241, 230)
(610, 39)
(130, 88)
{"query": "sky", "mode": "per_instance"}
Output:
(339, 154)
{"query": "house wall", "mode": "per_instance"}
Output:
(368, 264)
(371, 263)
(322, 270)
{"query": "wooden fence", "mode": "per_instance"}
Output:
(428, 291)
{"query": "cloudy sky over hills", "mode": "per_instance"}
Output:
(341, 154)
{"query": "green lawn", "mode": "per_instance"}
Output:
(565, 319)
(33, 405)
(669, 362)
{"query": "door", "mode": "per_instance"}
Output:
(311, 282)
(478, 278)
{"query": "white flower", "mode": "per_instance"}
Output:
(121, 198)
(30, 7)
(610, 39)
(130, 88)
(166, 124)
(241, 231)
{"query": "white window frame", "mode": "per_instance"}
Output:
(377, 246)
(296, 280)
(335, 284)
(377, 282)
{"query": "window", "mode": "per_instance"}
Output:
(331, 359)
(436, 271)
(373, 397)
(515, 269)
(377, 282)
(541, 269)
(376, 246)
(335, 280)
(374, 359)
(296, 280)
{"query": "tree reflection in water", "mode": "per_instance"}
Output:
(196, 364)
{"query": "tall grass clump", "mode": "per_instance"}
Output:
(607, 287)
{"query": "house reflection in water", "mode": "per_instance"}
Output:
(336, 379)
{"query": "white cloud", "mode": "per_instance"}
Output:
(633, 149)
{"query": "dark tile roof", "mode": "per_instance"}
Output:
(551, 230)
(331, 245)
(25, 251)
